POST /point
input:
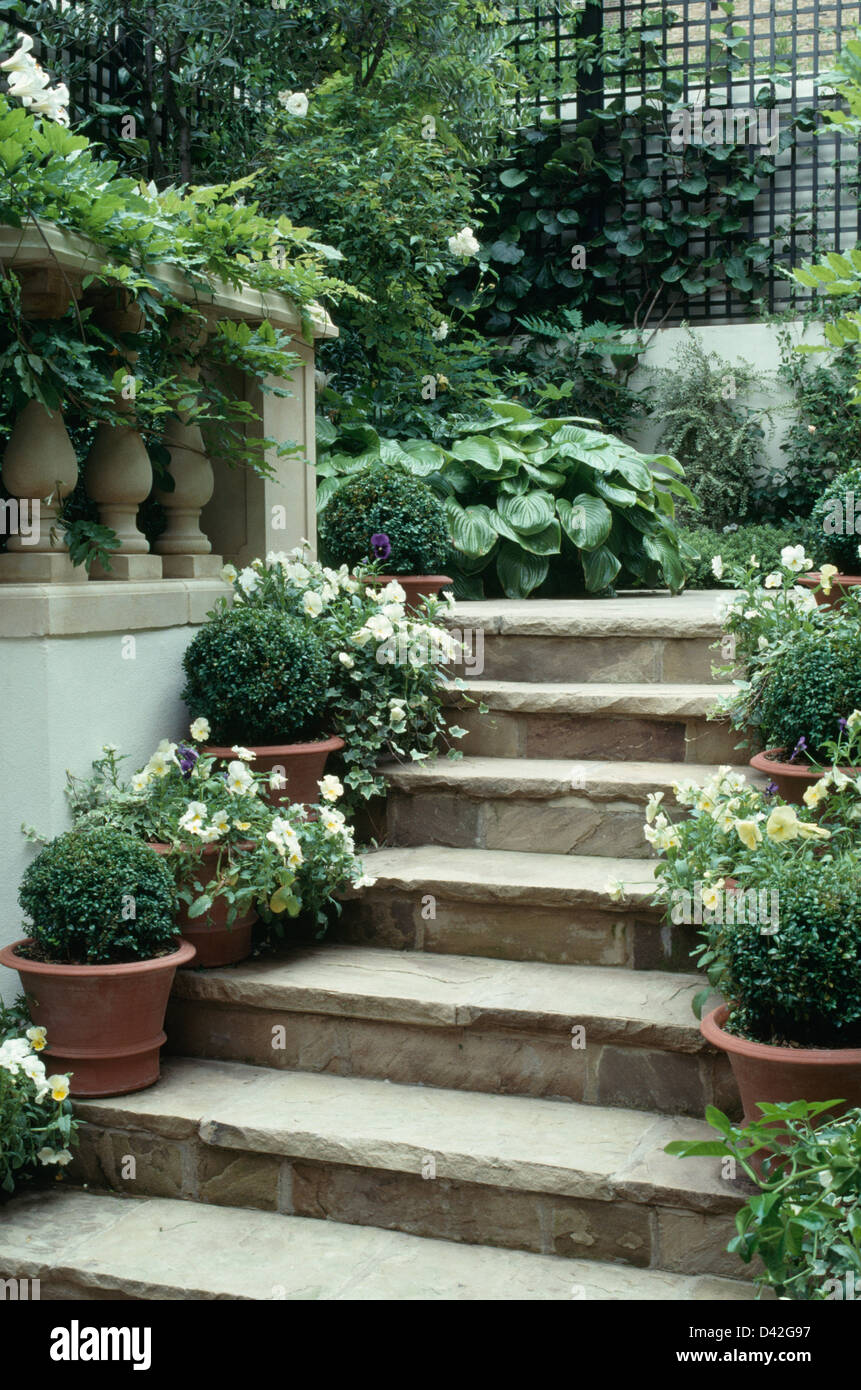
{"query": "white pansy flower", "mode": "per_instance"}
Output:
(312, 603)
(200, 730)
(249, 580)
(773, 580)
(239, 779)
(346, 660)
(794, 558)
(193, 817)
(717, 566)
(245, 755)
(141, 781)
(330, 788)
(229, 573)
(379, 627)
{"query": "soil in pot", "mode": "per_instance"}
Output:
(840, 586)
(766, 1073)
(214, 941)
(791, 779)
(105, 1023)
(415, 586)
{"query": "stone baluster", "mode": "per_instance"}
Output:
(118, 469)
(185, 550)
(40, 469)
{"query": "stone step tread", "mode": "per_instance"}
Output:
(157, 1248)
(696, 613)
(495, 875)
(652, 700)
(644, 1007)
(484, 776)
(510, 1142)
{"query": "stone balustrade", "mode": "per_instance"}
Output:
(214, 513)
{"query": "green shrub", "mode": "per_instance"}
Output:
(258, 676)
(835, 508)
(803, 984)
(99, 896)
(812, 683)
(735, 547)
(386, 499)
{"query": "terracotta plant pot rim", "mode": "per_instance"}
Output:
(713, 1032)
(767, 762)
(813, 579)
(8, 956)
(396, 578)
(207, 850)
(267, 750)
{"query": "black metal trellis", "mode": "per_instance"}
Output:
(812, 200)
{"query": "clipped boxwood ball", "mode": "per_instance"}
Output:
(99, 896)
(258, 676)
(837, 507)
(813, 683)
(386, 500)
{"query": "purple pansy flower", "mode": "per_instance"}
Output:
(842, 724)
(771, 789)
(800, 747)
(381, 545)
(187, 758)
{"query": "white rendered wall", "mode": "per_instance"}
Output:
(62, 699)
(757, 343)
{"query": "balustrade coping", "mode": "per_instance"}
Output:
(105, 606)
(26, 247)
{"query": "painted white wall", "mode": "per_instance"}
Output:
(756, 343)
(62, 699)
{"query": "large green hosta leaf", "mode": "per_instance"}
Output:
(479, 449)
(519, 573)
(528, 511)
(600, 568)
(661, 549)
(423, 457)
(546, 542)
(587, 520)
(470, 528)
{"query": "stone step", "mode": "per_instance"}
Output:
(554, 1179)
(537, 805)
(598, 719)
(592, 1034)
(638, 637)
(87, 1246)
(515, 906)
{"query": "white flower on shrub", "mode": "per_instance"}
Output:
(30, 84)
(333, 822)
(379, 627)
(346, 660)
(294, 103)
(440, 333)
(364, 881)
(330, 788)
(717, 566)
(60, 1156)
(794, 558)
(463, 243)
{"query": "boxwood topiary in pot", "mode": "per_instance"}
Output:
(100, 959)
(385, 513)
(813, 684)
(260, 680)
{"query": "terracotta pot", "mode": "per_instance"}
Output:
(214, 941)
(840, 585)
(416, 586)
(105, 1023)
(792, 778)
(771, 1074)
(303, 764)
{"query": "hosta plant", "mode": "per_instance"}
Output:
(387, 668)
(36, 1124)
(535, 502)
(276, 860)
(804, 1222)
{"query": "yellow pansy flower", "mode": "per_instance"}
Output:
(748, 832)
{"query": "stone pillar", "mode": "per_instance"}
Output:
(40, 469)
(185, 550)
(118, 469)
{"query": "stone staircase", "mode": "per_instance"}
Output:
(467, 1094)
